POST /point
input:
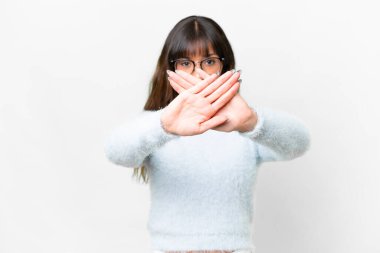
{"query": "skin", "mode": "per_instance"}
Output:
(206, 101)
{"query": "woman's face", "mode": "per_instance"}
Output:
(209, 63)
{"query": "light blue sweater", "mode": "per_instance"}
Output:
(201, 186)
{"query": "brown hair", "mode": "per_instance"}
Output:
(191, 36)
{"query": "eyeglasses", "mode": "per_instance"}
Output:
(210, 65)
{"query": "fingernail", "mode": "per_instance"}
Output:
(239, 71)
(233, 70)
(168, 71)
(240, 81)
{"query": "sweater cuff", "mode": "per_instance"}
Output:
(161, 131)
(258, 127)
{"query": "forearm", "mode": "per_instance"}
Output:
(129, 144)
(280, 135)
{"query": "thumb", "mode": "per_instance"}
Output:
(213, 122)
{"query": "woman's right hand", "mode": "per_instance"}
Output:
(190, 113)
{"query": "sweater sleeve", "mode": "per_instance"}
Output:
(130, 143)
(278, 136)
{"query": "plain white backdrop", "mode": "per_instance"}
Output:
(70, 71)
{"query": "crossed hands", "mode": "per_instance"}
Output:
(209, 102)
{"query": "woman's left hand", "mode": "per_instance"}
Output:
(240, 117)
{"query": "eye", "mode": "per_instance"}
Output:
(210, 61)
(184, 63)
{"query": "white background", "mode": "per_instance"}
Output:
(73, 70)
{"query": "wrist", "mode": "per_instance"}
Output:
(164, 122)
(250, 123)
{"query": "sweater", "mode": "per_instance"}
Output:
(202, 186)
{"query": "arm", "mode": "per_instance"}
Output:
(278, 136)
(129, 144)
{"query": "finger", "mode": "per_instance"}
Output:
(220, 81)
(179, 80)
(213, 122)
(223, 88)
(203, 84)
(178, 88)
(222, 100)
(189, 78)
(201, 73)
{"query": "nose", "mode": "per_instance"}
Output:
(195, 73)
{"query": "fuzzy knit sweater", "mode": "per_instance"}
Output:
(202, 186)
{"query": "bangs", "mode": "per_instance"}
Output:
(191, 48)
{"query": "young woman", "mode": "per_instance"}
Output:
(200, 144)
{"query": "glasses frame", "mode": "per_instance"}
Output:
(195, 63)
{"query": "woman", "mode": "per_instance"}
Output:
(201, 144)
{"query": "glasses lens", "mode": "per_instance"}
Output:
(184, 65)
(211, 65)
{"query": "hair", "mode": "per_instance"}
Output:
(193, 35)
